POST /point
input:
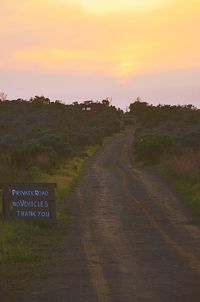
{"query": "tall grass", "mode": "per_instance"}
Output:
(183, 173)
(20, 242)
(185, 165)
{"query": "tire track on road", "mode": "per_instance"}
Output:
(94, 261)
(189, 257)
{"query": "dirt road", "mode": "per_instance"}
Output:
(132, 241)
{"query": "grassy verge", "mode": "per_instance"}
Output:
(27, 242)
(175, 158)
(186, 186)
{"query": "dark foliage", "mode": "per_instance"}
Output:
(165, 130)
(40, 133)
(155, 116)
(151, 147)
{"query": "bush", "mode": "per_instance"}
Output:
(40, 134)
(191, 140)
(54, 142)
(150, 148)
(43, 151)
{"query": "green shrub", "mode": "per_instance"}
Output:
(191, 140)
(150, 148)
(39, 134)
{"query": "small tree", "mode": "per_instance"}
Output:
(3, 96)
(106, 102)
(40, 100)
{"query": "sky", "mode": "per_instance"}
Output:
(76, 50)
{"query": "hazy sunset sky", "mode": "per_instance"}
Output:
(86, 49)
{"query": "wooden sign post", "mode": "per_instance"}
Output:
(29, 201)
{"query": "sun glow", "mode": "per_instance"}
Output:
(104, 6)
(120, 45)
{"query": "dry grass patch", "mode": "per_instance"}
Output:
(186, 165)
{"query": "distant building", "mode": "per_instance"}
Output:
(90, 106)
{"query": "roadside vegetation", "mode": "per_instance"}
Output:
(37, 135)
(167, 139)
(47, 141)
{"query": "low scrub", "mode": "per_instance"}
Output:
(151, 147)
(40, 134)
(191, 140)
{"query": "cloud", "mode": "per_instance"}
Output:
(54, 36)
